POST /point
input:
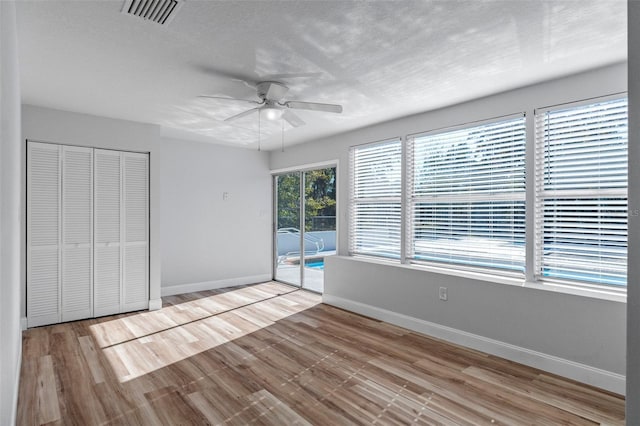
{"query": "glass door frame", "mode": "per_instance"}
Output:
(274, 236)
(301, 170)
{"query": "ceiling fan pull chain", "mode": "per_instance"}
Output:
(282, 122)
(259, 130)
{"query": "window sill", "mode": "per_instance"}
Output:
(593, 292)
(604, 293)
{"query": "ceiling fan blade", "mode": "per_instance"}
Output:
(287, 76)
(228, 99)
(314, 106)
(247, 80)
(210, 118)
(242, 114)
(292, 118)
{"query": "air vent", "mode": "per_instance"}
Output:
(159, 11)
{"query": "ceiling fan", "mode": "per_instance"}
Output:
(272, 105)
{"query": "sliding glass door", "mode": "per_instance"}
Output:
(319, 224)
(305, 226)
(287, 229)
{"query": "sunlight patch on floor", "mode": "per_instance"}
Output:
(139, 344)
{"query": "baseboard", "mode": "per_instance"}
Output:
(604, 379)
(212, 285)
(23, 323)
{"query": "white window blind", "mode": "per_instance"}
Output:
(467, 196)
(375, 205)
(581, 193)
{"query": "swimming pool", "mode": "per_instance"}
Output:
(315, 264)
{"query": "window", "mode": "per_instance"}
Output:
(467, 196)
(376, 188)
(457, 197)
(581, 193)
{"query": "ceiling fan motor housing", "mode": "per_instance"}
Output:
(271, 90)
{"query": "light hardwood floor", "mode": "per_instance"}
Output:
(271, 354)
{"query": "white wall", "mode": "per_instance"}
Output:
(50, 125)
(209, 241)
(579, 337)
(575, 331)
(10, 218)
(633, 292)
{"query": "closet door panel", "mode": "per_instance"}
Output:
(76, 284)
(136, 194)
(135, 278)
(77, 233)
(108, 232)
(43, 299)
(107, 281)
(136, 231)
(43, 233)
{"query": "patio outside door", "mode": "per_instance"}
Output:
(305, 226)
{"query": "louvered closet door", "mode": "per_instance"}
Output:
(107, 234)
(136, 231)
(44, 166)
(77, 233)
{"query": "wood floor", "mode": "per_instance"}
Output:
(271, 354)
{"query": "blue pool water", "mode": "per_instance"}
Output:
(316, 264)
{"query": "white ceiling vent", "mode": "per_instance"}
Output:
(159, 11)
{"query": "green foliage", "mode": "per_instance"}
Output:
(320, 200)
(289, 201)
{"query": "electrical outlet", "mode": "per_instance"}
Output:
(443, 293)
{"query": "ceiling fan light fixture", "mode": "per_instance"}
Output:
(272, 113)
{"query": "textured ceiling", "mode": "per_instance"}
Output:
(380, 60)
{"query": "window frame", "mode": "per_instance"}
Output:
(412, 199)
(530, 279)
(354, 201)
(541, 194)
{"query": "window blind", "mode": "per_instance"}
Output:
(581, 193)
(375, 205)
(467, 196)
